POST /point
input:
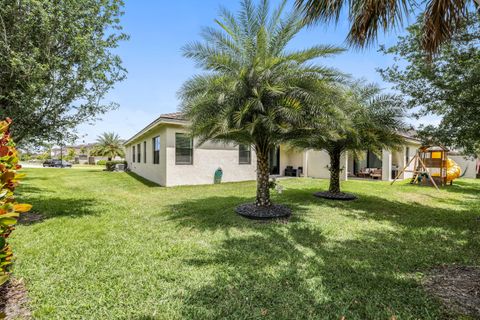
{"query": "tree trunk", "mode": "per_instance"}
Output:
(263, 175)
(335, 155)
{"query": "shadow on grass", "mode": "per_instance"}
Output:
(57, 207)
(24, 190)
(54, 207)
(219, 213)
(298, 274)
(464, 187)
(144, 181)
(407, 214)
(47, 206)
(294, 271)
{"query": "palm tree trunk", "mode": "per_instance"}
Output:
(263, 175)
(335, 155)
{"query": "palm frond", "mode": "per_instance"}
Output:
(367, 17)
(253, 91)
(319, 51)
(441, 19)
(370, 16)
(320, 10)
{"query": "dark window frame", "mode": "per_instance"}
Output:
(139, 153)
(145, 151)
(372, 159)
(156, 152)
(407, 155)
(246, 153)
(180, 149)
(133, 154)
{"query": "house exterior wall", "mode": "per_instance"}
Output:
(386, 165)
(398, 159)
(210, 156)
(149, 170)
(290, 157)
(206, 160)
(468, 165)
(412, 152)
(318, 162)
(350, 164)
(392, 160)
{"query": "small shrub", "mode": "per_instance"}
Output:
(9, 208)
(102, 162)
(110, 165)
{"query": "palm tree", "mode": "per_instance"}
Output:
(371, 120)
(253, 90)
(109, 145)
(70, 154)
(440, 17)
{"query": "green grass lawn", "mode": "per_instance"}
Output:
(115, 247)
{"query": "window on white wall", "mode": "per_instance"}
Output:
(407, 155)
(133, 154)
(144, 151)
(139, 153)
(183, 149)
(244, 154)
(156, 150)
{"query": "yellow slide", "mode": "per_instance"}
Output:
(453, 170)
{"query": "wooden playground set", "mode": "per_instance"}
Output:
(432, 167)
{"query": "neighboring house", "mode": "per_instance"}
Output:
(164, 153)
(81, 149)
(82, 153)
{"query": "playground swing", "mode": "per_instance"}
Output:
(432, 166)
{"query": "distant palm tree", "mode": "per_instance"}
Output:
(371, 121)
(70, 154)
(109, 145)
(440, 17)
(254, 89)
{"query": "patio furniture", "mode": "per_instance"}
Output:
(290, 172)
(363, 173)
(376, 174)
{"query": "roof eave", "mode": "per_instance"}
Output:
(156, 123)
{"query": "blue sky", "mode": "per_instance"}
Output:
(157, 69)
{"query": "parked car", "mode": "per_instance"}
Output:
(48, 163)
(55, 163)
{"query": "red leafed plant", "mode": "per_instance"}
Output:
(9, 208)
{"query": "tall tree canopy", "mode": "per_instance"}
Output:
(254, 90)
(57, 64)
(448, 87)
(371, 120)
(441, 17)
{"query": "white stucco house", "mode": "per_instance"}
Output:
(163, 152)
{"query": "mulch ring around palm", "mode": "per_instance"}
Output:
(252, 211)
(457, 287)
(14, 300)
(336, 196)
